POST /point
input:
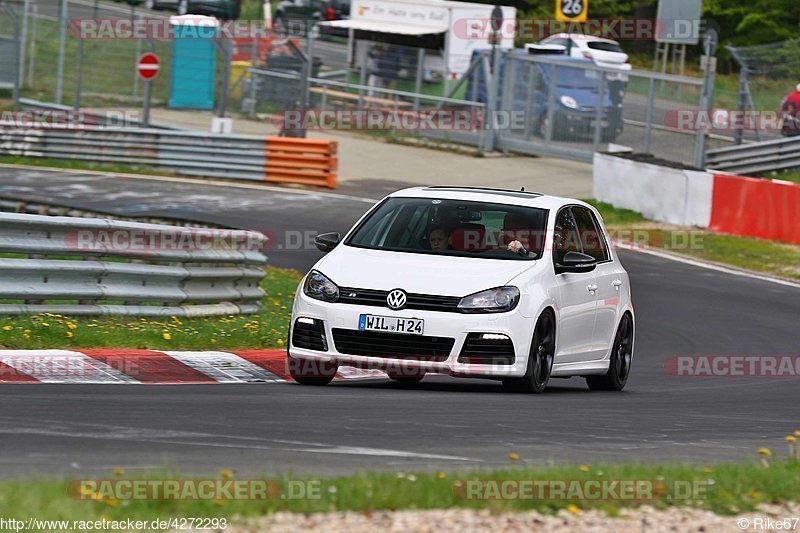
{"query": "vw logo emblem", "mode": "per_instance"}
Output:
(396, 299)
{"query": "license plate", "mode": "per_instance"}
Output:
(391, 324)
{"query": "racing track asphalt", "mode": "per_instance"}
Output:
(442, 423)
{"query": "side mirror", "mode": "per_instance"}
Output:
(325, 242)
(576, 262)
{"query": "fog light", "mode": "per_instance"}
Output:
(494, 337)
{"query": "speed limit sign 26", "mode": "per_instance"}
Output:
(572, 10)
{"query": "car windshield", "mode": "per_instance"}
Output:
(453, 227)
(576, 78)
(605, 46)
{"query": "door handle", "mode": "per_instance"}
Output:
(616, 283)
(592, 287)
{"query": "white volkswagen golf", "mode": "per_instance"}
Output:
(470, 282)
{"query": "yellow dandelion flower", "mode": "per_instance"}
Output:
(46, 324)
(119, 471)
(280, 342)
(70, 334)
(441, 475)
(583, 468)
(213, 341)
(167, 336)
(574, 509)
(790, 438)
(8, 328)
(513, 456)
(225, 473)
(219, 501)
(72, 326)
(765, 452)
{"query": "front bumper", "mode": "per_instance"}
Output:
(440, 324)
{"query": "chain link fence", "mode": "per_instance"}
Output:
(519, 102)
(10, 48)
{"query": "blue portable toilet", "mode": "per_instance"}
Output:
(193, 62)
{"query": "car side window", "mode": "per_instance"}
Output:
(565, 237)
(591, 236)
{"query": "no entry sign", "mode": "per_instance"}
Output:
(147, 66)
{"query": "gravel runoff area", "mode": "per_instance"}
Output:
(640, 520)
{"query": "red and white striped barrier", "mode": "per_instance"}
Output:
(151, 367)
(750, 207)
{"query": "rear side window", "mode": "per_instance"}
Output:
(605, 47)
(592, 238)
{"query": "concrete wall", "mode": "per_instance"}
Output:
(660, 193)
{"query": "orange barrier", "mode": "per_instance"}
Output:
(304, 161)
(755, 207)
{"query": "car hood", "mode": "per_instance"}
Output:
(417, 273)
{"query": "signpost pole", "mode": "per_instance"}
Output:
(147, 68)
(146, 110)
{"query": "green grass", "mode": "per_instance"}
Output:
(760, 255)
(83, 165)
(267, 328)
(793, 175)
(723, 488)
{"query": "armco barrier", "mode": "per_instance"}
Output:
(83, 266)
(767, 209)
(660, 193)
(752, 158)
(305, 161)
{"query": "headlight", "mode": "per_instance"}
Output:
(568, 101)
(319, 287)
(496, 300)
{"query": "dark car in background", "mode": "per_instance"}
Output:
(576, 98)
(293, 16)
(221, 9)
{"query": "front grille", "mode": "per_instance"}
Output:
(309, 336)
(480, 351)
(392, 345)
(419, 302)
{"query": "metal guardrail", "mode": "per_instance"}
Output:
(98, 117)
(83, 266)
(765, 156)
(183, 152)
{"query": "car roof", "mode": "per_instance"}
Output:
(580, 37)
(488, 194)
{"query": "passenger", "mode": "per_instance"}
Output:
(439, 238)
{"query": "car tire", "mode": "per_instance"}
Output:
(619, 367)
(183, 7)
(311, 372)
(540, 358)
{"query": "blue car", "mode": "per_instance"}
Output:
(576, 98)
